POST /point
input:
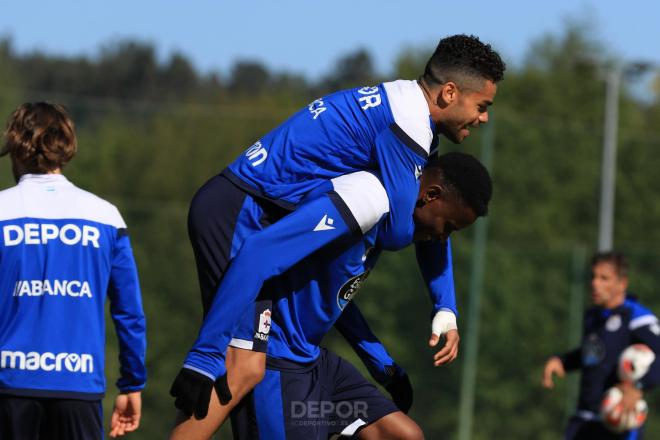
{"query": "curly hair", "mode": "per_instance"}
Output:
(40, 136)
(465, 176)
(463, 59)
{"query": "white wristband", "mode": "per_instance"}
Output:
(443, 321)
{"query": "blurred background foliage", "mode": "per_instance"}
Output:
(152, 131)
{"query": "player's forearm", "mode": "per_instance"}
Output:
(647, 335)
(131, 334)
(435, 263)
(237, 291)
(128, 317)
(130, 327)
(571, 360)
(354, 328)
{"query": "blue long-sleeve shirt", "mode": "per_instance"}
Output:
(62, 250)
(387, 129)
(607, 332)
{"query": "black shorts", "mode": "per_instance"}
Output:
(28, 418)
(221, 216)
(307, 402)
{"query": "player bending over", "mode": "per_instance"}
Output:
(311, 274)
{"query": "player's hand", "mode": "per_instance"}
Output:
(631, 395)
(126, 414)
(401, 390)
(192, 391)
(553, 366)
(444, 324)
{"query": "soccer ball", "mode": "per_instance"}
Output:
(634, 362)
(613, 417)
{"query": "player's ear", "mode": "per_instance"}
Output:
(448, 93)
(433, 192)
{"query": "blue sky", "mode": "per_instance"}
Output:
(308, 36)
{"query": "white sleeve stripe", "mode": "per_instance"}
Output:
(364, 196)
(190, 367)
(642, 321)
(241, 343)
(352, 428)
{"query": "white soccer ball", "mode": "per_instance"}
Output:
(613, 417)
(634, 362)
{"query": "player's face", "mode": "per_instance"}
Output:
(440, 215)
(467, 110)
(608, 289)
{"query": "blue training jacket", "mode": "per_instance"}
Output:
(386, 129)
(314, 259)
(607, 332)
(62, 251)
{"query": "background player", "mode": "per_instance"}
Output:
(311, 282)
(391, 128)
(615, 322)
(63, 249)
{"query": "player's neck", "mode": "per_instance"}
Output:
(615, 302)
(434, 109)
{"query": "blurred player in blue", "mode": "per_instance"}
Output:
(311, 273)
(63, 251)
(615, 322)
(391, 128)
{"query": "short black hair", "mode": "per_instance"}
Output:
(467, 177)
(460, 58)
(615, 258)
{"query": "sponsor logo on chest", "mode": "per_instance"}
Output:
(349, 289)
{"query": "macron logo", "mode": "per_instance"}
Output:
(418, 171)
(325, 224)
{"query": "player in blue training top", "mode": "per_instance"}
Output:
(390, 128)
(615, 322)
(312, 274)
(62, 251)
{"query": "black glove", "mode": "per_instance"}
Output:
(192, 391)
(401, 391)
(222, 388)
